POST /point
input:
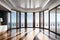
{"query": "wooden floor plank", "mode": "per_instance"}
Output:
(30, 36)
(41, 36)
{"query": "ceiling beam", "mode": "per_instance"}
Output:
(47, 1)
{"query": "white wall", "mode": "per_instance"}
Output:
(3, 28)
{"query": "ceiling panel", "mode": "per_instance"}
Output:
(28, 3)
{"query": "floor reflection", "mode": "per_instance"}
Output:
(31, 34)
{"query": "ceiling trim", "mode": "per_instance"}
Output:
(29, 10)
(5, 6)
(12, 3)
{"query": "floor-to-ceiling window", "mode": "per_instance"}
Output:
(52, 23)
(58, 20)
(8, 20)
(52, 20)
(13, 18)
(29, 19)
(45, 19)
(37, 19)
(41, 19)
(22, 19)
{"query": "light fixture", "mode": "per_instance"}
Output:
(1, 20)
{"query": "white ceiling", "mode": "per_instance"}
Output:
(28, 5)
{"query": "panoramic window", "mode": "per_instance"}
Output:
(52, 20)
(37, 19)
(8, 20)
(29, 19)
(58, 20)
(22, 19)
(13, 18)
(45, 19)
(41, 19)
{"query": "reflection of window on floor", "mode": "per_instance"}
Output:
(22, 19)
(37, 19)
(29, 19)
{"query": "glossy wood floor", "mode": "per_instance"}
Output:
(31, 34)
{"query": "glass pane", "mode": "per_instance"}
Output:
(58, 20)
(8, 20)
(36, 19)
(41, 19)
(29, 19)
(52, 20)
(22, 19)
(46, 19)
(13, 16)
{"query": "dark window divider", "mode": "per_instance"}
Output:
(20, 21)
(33, 20)
(25, 19)
(39, 20)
